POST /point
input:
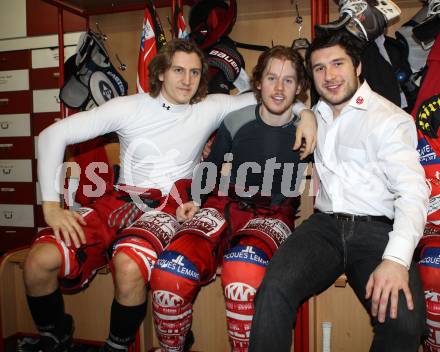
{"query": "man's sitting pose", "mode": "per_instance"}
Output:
(249, 214)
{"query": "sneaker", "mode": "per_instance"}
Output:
(48, 342)
(28, 344)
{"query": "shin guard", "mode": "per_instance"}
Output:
(429, 267)
(174, 282)
(242, 273)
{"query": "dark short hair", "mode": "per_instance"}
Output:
(283, 53)
(162, 62)
(351, 46)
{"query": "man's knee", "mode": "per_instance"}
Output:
(133, 259)
(42, 258)
(409, 324)
(126, 272)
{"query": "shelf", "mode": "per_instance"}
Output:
(87, 8)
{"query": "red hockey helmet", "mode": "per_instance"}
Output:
(210, 20)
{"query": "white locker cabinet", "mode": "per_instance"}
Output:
(12, 19)
(46, 100)
(15, 125)
(14, 80)
(15, 170)
(17, 215)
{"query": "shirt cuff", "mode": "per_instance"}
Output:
(298, 107)
(399, 249)
(396, 260)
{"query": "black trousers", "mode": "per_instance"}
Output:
(311, 259)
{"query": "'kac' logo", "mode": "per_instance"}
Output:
(240, 292)
(167, 299)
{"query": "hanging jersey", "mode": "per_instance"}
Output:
(427, 116)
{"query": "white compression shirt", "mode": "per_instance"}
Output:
(160, 143)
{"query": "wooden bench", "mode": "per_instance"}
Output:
(91, 310)
(90, 307)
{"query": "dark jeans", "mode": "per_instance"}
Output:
(311, 259)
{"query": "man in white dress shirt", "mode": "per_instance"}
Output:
(370, 211)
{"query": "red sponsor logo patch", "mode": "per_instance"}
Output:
(359, 100)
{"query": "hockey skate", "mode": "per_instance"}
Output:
(109, 348)
(48, 342)
(428, 29)
(365, 19)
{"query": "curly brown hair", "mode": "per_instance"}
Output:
(162, 62)
(283, 53)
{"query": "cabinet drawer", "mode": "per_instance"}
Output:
(48, 57)
(42, 120)
(15, 237)
(17, 215)
(16, 148)
(13, 60)
(14, 80)
(45, 78)
(46, 100)
(15, 125)
(15, 170)
(15, 102)
(17, 193)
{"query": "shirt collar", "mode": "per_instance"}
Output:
(165, 105)
(361, 98)
(359, 101)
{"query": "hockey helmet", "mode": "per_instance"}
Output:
(210, 20)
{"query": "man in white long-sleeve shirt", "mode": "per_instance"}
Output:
(370, 212)
(161, 137)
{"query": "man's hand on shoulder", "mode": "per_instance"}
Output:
(66, 224)
(384, 285)
(306, 131)
(186, 211)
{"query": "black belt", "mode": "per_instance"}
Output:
(352, 218)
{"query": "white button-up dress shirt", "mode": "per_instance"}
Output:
(367, 164)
